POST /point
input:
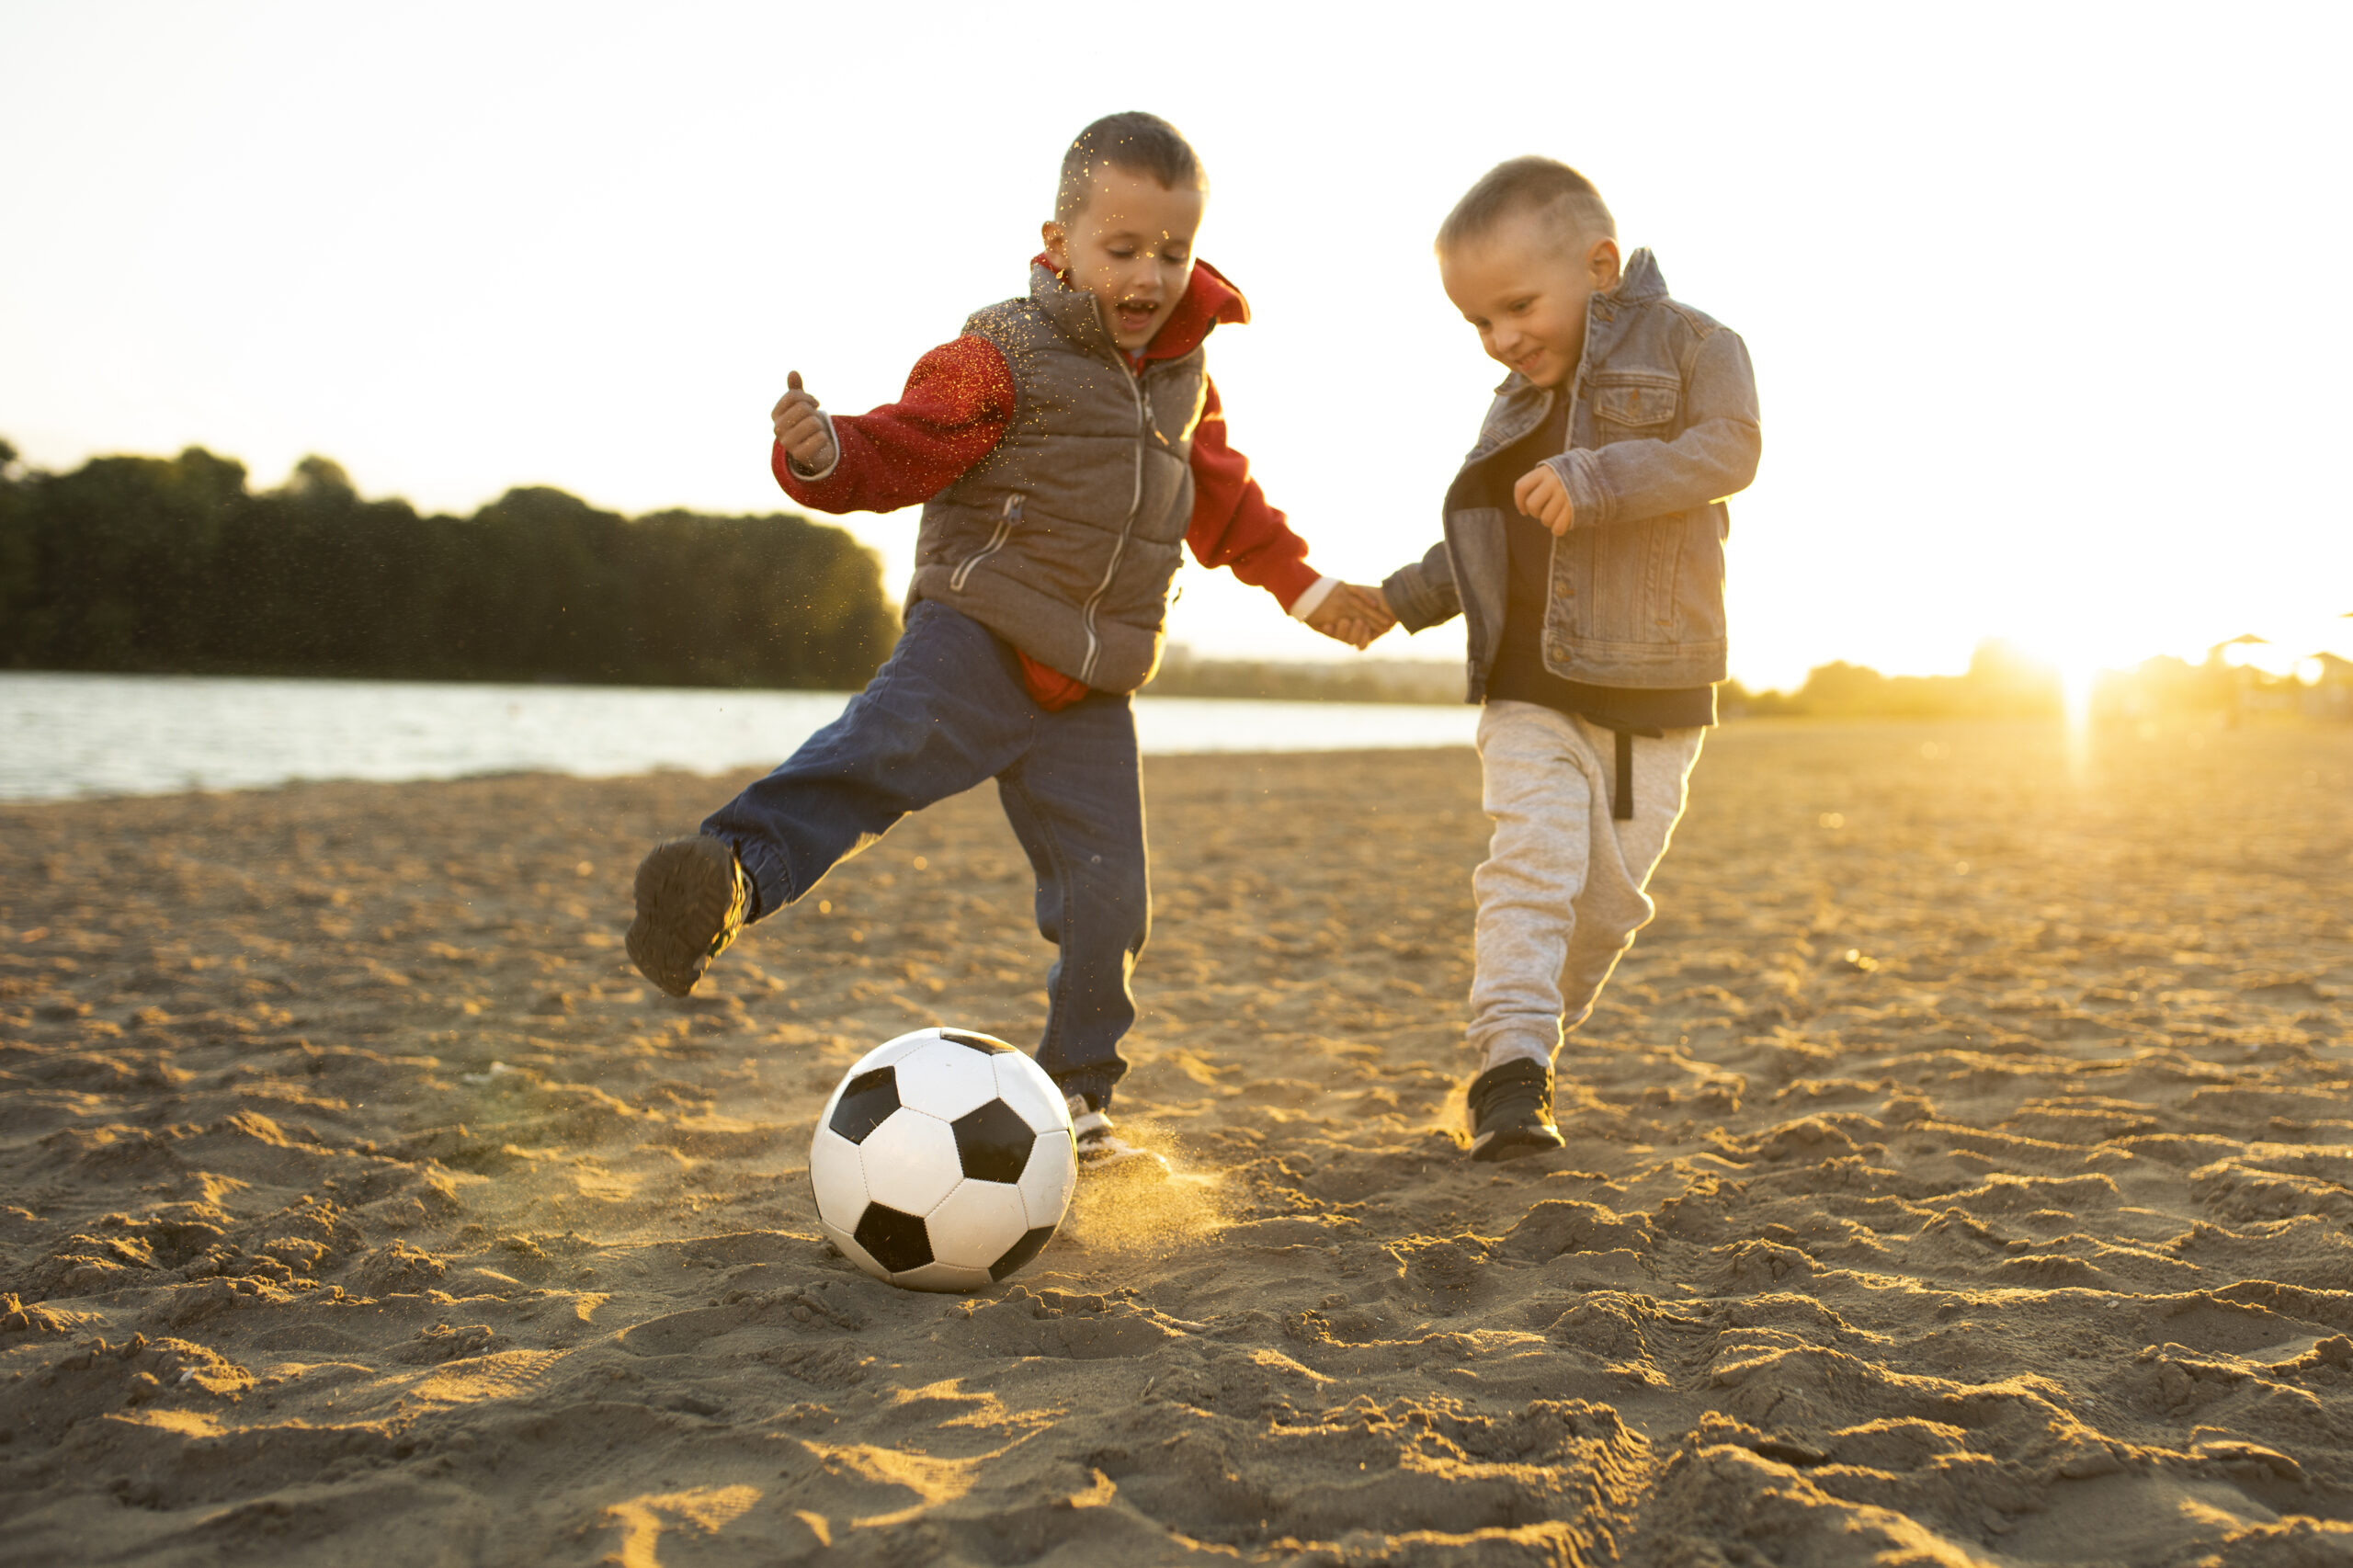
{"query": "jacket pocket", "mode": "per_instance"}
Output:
(1633, 408)
(1007, 516)
(1616, 585)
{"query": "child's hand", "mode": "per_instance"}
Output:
(799, 430)
(1540, 494)
(1353, 614)
(1378, 615)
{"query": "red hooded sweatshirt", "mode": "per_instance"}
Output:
(958, 402)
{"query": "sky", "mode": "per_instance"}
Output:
(2044, 300)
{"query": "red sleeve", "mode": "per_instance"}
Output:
(957, 401)
(1232, 526)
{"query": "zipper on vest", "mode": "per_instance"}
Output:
(1008, 515)
(1120, 545)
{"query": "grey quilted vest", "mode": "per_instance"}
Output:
(1064, 539)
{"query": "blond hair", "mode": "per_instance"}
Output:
(1545, 188)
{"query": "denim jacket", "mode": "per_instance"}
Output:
(1661, 427)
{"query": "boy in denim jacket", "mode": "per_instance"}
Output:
(1584, 548)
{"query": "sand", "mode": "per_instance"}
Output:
(1960, 1171)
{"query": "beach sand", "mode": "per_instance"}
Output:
(1959, 1171)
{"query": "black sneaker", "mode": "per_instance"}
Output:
(1102, 1152)
(692, 895)
(1511, 1112)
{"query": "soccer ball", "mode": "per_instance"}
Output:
(943, 1160)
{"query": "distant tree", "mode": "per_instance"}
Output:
(18, 558)
(316, 474)
(1841, 687)
(2002, 682)
(1734, 700)
(173, 564)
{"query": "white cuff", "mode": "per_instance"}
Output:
(1311, 601)
(830, 463)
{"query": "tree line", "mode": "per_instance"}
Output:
(176, 565)
(2002, 682)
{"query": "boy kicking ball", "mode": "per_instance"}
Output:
(1067, 450)
(1583, 550)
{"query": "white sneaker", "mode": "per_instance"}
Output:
(1102, 1150)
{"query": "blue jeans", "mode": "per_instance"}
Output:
(946, 712)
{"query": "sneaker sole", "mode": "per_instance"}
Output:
(686, 889)
(1511, 1143)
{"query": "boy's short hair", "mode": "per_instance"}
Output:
(1545, 187)
(1138, 142)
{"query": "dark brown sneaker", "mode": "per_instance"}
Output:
(1511, 1112)
(692, 896)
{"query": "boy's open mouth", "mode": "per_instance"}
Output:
(1132, 315)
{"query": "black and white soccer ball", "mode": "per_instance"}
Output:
(943, 1160)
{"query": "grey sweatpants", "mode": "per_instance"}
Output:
(1561, 894)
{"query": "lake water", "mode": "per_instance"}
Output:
(64, 735)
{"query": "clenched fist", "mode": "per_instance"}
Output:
(798, 428)
(1540, 494)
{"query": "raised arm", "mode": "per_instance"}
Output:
(957, 401)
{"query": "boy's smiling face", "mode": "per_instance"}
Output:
(1525, 284)
(1131, 247)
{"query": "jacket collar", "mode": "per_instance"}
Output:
(1642, 281)
(1208, 298)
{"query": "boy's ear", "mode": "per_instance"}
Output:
(1057, 243)
(1602, 262)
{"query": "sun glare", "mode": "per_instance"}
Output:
(2079, 665)
(2076, 679)
(2079, 660)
